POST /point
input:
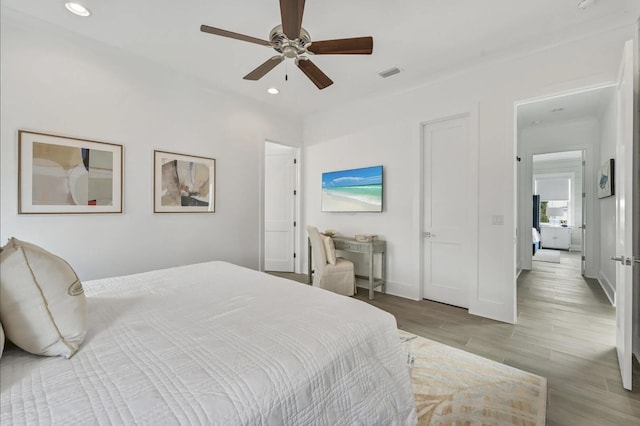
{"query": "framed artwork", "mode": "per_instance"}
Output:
(183, 183)
(59, 174)
(606, 179)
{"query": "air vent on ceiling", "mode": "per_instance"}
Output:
(389, 72)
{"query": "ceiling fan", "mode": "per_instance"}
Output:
(290, 40)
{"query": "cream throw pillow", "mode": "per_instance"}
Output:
(42, 305)
(1, 340)
(329, 249)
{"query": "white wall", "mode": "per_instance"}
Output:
(386, 130)
(607, 206)
(55, 82)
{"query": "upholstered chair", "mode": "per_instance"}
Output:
(330, 272)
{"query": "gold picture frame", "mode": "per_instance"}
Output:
(68, 175)
(183, 183)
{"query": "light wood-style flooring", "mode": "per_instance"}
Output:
(565, 332)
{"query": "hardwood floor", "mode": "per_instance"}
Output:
(565, 332)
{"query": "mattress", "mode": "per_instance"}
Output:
(215, 343)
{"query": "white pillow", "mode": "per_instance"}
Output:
(42, 305)
(329, 249)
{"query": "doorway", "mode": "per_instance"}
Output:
(280, 207)
(558, 211)
(583, 121)
(573, 124)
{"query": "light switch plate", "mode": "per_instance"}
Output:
(497, 219)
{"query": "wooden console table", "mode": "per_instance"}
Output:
(367, 248)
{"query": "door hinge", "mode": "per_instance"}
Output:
(295, 161)
(294, 255)
(583, 258)
(584, 195)
(584, 163)
(294, 223)
(295, 192)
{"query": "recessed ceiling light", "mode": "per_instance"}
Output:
(77, 9)
(273, 91)
(535, 122)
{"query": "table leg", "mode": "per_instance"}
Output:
(309, 271)
(383, 259)
(371, 278)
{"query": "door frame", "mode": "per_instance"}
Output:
(524, 203)
(471, 113)
(297, 234)
(524, 238)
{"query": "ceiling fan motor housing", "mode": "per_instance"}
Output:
(289, 48)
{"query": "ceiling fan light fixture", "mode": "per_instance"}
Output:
(273, 91)
(77, 9)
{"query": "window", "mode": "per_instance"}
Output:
(554, 212)
(555, 192)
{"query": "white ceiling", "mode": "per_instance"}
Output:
(569, 107)
(558, 156)
(424, 38)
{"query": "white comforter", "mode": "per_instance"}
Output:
(215, 343)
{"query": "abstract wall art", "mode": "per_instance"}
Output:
(59, 174)
(183, 183)
(606, 179)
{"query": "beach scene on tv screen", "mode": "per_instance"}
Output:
(356, 190)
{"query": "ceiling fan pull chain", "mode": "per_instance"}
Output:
(286, 71)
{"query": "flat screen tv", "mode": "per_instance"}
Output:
(355, 190)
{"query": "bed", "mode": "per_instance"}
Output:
(535, 239)
(215, 343)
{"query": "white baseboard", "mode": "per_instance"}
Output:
(393, 288)
(575, 247)
(607, 288)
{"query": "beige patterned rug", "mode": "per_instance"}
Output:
(453, 387)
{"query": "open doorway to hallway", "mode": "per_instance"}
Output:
(560, 140)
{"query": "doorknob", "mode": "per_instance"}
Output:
(618, 258)
(428, 235)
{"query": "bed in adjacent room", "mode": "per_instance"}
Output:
(535, 239)
(215, 343)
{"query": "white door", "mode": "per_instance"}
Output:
(449, 211)
(624, 216)
(279, 207)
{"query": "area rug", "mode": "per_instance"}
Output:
(544, 255)
(453, 387)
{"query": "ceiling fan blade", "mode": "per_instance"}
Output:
(267, 66)
(230, 34)
(291, 12)
(343, 46)
(314, 73)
